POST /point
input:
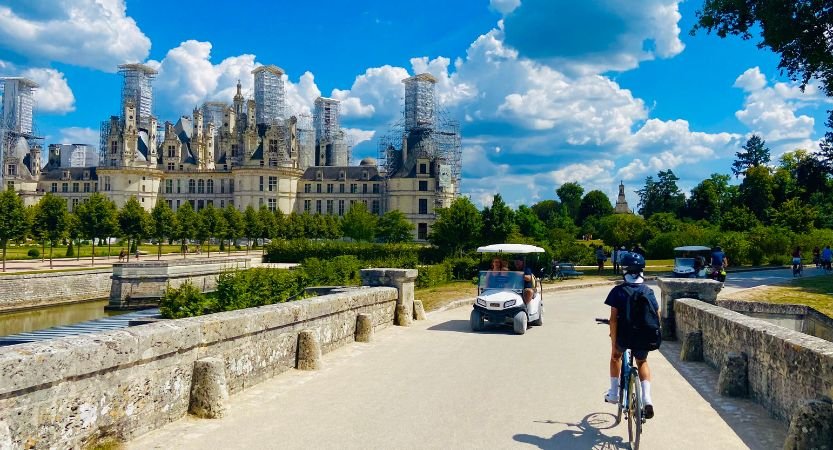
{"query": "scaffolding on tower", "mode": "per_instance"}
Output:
(270, 95)
(306, 141)
(137, 87)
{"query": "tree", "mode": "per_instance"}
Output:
(268, 225)
(358, 223)
(661, 195)
(529, 224)
(74, 235)
(211, 224)
(187, 223)
(234, 224)
(133, 222)
(756, 191)
(51, 219)
(570, 196)
(705, 202)
(394, 227)
(498, 220)
(547, 210)
(14, 221)
(457, 227)
(97, 217)
(621, 229)
(594, 204)
(795, 215)
(755, 154)
(163, 224)
(739, 218)
(252, 225)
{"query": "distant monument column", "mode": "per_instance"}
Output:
(621, 203)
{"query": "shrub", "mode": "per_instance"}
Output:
(779, 260)
(462, 268)
(300, 249)
(433, 275)
(184, 301)
(736, 247)
(33, 253)
(258, 287)
(341, 270)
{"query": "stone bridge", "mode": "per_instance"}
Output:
(330, 372)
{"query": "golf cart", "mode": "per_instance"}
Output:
(685, 261)
(500, 292)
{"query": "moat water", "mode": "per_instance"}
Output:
(53, 316)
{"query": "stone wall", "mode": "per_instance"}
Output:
(143, 283)
(785, 367)
(795, 317)
(48, 289)
(65, 393)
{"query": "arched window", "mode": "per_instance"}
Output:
(209, 186)
(192, 186)
(201, 186)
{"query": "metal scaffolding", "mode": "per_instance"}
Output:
(270, 95)
(306, 141)
(17, 101)
(137, 87)
(213, 112)
(326, 118)
(424, 131)
(103, 137)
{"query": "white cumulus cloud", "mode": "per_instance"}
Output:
(53, 94)
(79, 135)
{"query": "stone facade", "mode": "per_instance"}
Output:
(48, 289)
(784, 367)
(795, 317)
(66, 393)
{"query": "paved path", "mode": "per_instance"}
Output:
(437, 385)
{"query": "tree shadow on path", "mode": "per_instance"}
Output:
(586, 434)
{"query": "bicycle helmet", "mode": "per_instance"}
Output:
(632, 262)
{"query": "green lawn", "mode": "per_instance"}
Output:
(85, 251)
(815, 292)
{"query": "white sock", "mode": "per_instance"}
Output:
(646, 393)
(614, 386)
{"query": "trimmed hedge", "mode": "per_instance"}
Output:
(434, 275)
(280, 251)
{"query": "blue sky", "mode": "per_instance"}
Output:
(547, 91)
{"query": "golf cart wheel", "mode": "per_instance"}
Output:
(519, 322)
(477, 320)
(540, 320)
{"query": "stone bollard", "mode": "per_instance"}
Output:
(419, 310)
(209, 393)
(364, 328)
(733, 380)
(674, 288)
(403, 280)
(811, 427)
(309, 351)
(692, 348)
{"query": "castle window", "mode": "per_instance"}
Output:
(114, 147)
(364, 175)
(341, 175)
(231, 186)
(273, 204)
(54, 187)
(319, 175)
(375, 188)
(64, 187)
(170, 204)
(261, 163)
(192, 186)
(341, 188)
(86, 187)
(178, 186)
(329, 188)
(273, 184)
(209, 186)
(74, 203)
(329, 206)
(354, 188)
(375, 209)
(318, 206)
(422, 231)
(65, 175)
(86, 174)
(223, 186)
(341, 207)
(261, 184)
(423, 185)
(307, 205)
(171, 167)
(307, 188)
(364, 188)
(201, 186)
(423, 206)
(171, 151)
(169, 186)
(75, 187)
(318, 188)
(423, 168)
(273, 145)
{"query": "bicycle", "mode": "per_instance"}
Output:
(630, 396)
(798, 267)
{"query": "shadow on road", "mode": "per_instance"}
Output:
(464, 326)
(586, 434)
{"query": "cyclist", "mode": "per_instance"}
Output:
(826, 257)
(796, 261)
(632, 267)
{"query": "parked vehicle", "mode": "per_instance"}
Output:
(690, 261)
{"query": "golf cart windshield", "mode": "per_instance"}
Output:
(501, 280)
(684, 262)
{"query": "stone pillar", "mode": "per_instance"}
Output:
(811, 427)
(364, 328)
(309, 351)
(734, 379)
(692, 348)
(419, 310)
(403, 280)
(209, 392)
(674, 288)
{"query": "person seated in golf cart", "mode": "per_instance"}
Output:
(529, 280)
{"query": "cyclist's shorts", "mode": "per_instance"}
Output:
(638, 354)
(796, 261)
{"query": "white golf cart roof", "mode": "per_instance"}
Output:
(510, 248)
(692, 248)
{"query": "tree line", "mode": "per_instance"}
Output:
(97, 219)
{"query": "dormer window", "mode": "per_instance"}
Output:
(319, 175)
(341, 175)
(65, 175)
(86, 174)
(364, 175)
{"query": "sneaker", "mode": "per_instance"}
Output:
(649, 411)
(611, 397)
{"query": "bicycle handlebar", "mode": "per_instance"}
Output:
(603, 321)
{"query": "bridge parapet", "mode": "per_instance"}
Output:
(68, 392)
(677, 288)
(785, 368)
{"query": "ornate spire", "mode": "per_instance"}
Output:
(621, 202)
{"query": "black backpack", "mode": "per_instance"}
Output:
(638, 326)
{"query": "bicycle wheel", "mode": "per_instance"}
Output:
(634, 410)
(621, 405)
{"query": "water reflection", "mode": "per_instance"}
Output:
(53, 316)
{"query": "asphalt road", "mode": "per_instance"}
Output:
(438, 385)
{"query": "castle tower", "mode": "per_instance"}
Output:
(419, 101)
(137, 89)
(270, 94)
(621, 203)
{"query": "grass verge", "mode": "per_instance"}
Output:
(815, 292)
